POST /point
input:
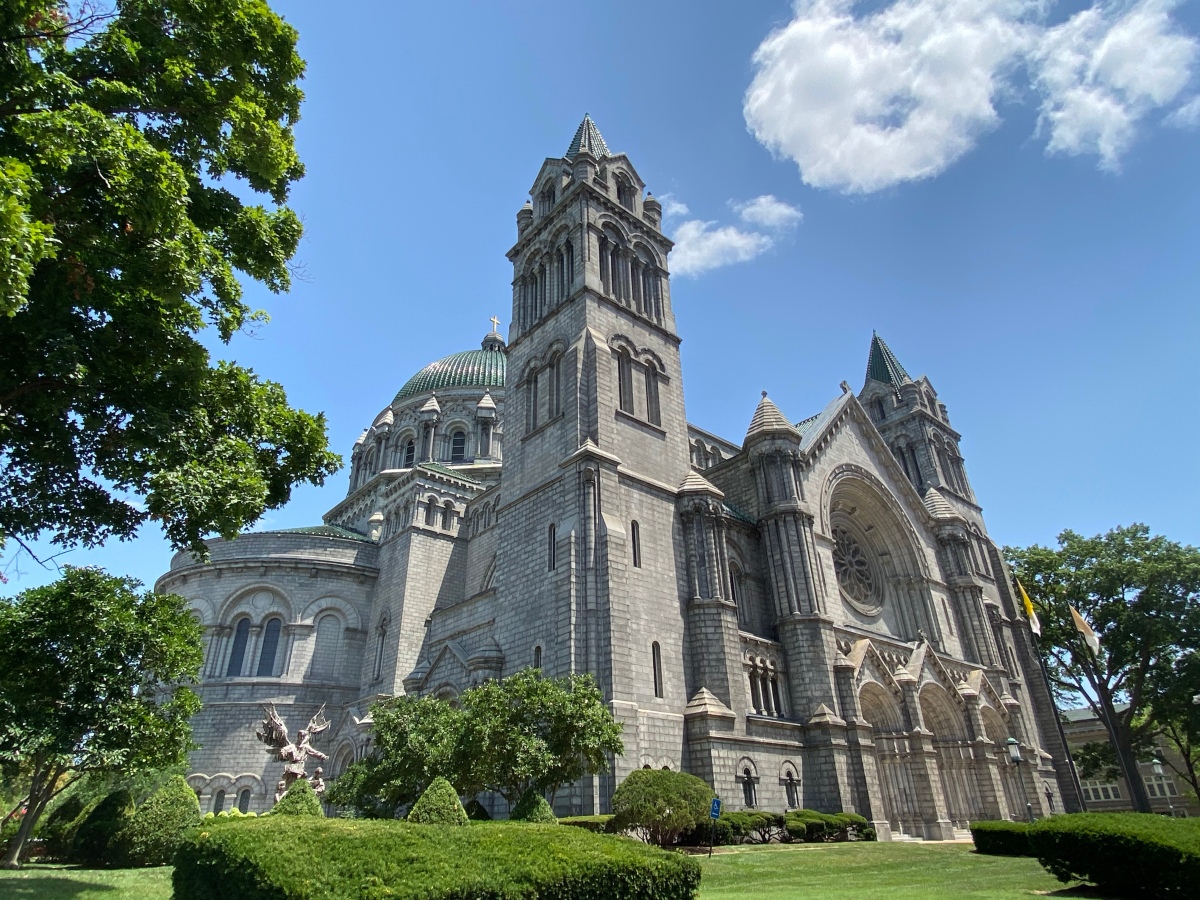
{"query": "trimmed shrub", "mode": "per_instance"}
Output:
(99, 827)
(797, 829)
(755, 826)
(155, 831)
(532, 807)
(594, 824)
(439, 805)
(660, 804)
(300, 800)
(1002, 838)
(57, 830)
(477, 812)
(1126, 854)
(339, 859)
(827, 827)
(722, 834)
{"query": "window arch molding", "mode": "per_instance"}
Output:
(347, 611)
(258, 601)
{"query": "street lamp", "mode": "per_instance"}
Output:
(1156, 767)
(1014, 753)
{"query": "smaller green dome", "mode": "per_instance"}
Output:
(482, 368)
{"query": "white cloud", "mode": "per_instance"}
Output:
(672, 208)
(863, 101)
(1187, 116)
(768, 211)
(1103, 70)
(701, 246)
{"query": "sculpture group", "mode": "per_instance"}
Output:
(293, 754)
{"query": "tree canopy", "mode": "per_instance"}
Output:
(146, 156)
(520, 733)
(93, 677)
(1141, 595)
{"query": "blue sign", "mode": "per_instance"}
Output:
(715, 811)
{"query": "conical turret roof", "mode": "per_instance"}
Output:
(768, 419)
(588, 138)
(882, 364)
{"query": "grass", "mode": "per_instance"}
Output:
(826, 871)
(44, 882)
(872, 872)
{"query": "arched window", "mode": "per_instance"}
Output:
(569, 259)
(325, 647)
(410, 453)
(431, 511)
(551, 549)
(635, 539)
(793, 791)
(244, 800)
(653, 416)
(735, 594)
(748, 793)
(537, 656)
(219, 802)
(554, 388)
(531, 401)
(656, 660)
(877, 406)
(624, 191)
(270, 646)
(381, 641)
(447, 516)
(485, 440)
(625, 381)
(241, 635)
(458, 446)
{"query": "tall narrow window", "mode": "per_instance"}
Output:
(237, 656)
(625, 381)
(270, 646)
(244, 800)
(635, 540)
(431, 511)
(410, 453)
(748, 788)
(381, 640)
(554, 401)
(652, 413)
(485, 440)
(656, 659)
(569, 256)
(325, 647)
(551, 550)
(447, 516)
(735, 594)
(458, 446)
(219, 802)
(537, 656)
(793, 792)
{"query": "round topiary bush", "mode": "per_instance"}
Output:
(96, 832)
(57, 830)
(660, 804)
(532, 807)
(300, 800)
(439, 805)
(155, 831)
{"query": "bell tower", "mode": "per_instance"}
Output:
(597, 446)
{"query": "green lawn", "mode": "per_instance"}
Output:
(37, 882)
(869, 871)
(826, 871)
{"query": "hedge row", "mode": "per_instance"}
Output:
(595, 824)
(760, 827)
(1124, 854)
(290, 859)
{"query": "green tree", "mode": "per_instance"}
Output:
(146, 155)
(660, 804)
(527, 731)
(415, 740)
(93, 678)
(1141, 595)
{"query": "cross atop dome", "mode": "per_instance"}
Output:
(587, 138)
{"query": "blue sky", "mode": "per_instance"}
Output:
(1008, 191)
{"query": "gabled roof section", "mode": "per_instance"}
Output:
(768, 420)
(587, 138)
(452, 473)
(818, 424)
(882, 364)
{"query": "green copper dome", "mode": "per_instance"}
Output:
(482, 368)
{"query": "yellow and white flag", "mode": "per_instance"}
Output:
(1034, 624)
(1089, 637)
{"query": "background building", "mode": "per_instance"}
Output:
(811, 616)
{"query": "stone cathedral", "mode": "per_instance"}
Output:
(813, 616)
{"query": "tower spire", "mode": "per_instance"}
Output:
(587, 138)
(882, 364)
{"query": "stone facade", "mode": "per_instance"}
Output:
(814, 617)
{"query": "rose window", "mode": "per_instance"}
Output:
(852, 567)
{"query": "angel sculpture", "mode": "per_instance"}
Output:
(295, 754)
